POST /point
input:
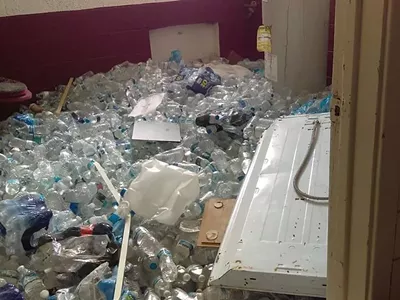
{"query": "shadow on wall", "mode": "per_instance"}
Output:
(44, 50)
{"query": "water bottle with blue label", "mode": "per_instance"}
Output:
(32, 284)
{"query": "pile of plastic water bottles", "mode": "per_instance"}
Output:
(60, 228)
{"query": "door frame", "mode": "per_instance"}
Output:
(365, 149)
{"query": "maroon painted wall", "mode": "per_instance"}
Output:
(44, 50)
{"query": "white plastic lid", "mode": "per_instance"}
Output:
(3, 282)
(21, 269)
(44, 294)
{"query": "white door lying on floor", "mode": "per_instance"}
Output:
(275, 241)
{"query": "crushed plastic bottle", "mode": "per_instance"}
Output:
(32, 284)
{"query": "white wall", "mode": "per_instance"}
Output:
(24, 7)
(194, 41)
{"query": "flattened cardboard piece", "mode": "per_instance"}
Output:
(217, 214)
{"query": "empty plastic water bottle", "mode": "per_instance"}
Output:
(167, 265)
(149, 245)
(196, 273)
(161, 287)
(180, 294)
(13, 186)
(21, 144)
(183, 275)
(32, 284)
(151, 295)
(213, 292)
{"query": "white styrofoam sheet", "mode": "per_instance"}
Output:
(275, 241)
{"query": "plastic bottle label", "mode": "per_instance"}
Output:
(137, 233)
(264, 38)
(212, 167)
(155, 281)
(186, 244)
(27, 279)
(163, 252)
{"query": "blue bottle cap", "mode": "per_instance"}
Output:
(123, 192)
(114, 218)
(74, 207)
(153, 266)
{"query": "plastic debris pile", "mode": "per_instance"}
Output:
(60, 225)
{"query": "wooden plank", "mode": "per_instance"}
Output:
(217, 214)
(64, 96)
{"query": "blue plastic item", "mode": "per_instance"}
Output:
(20, 218)
(9, 292)
(203, 80)
(107, 285)
(314, 106)
(176, 56)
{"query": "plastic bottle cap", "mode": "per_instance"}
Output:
(2, 282)
(167, 294)
(21, 269)
(202, 278)
(44, 294)
(153, 266)
(186, 277)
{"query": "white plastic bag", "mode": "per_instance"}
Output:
(161, 192)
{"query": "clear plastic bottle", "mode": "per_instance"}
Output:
(13, 186)
(196, 209)
(220, 158)
(151, 295)
(196, 273)
(180, 294)
(172, 156)
(161, 287)
(86, 211)
(183, 275)
(11, 263)
(32, 284)
(213, 292)
(50, 279)
(168, 268)
(151, 247)
(21, 144)
(63, 220)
